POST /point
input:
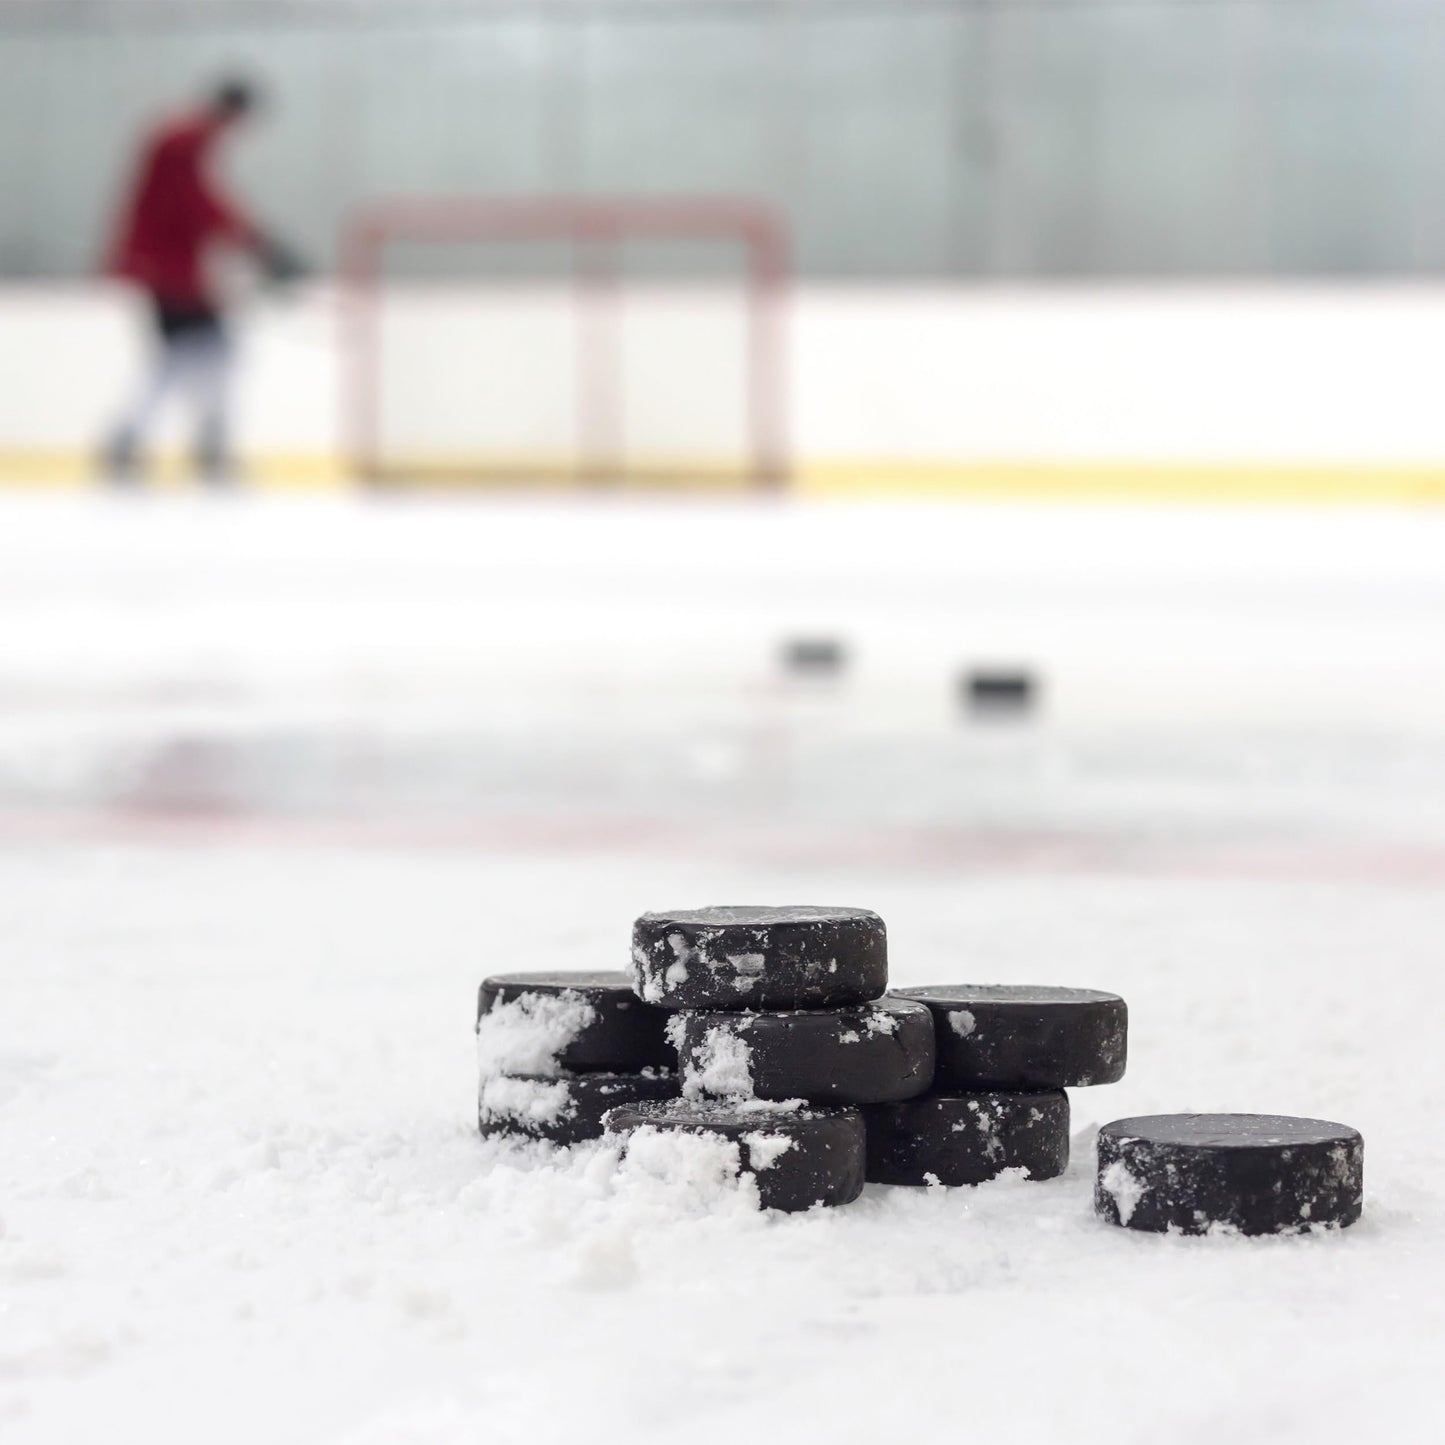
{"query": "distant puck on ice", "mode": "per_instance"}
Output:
(866, 1054)
(1250, 1173)
(818, 656)
(565, 1108)
(968, 1138)
(536, 1023)
(998, 690)
(798, 1157)
(760, 958)
(1012, 1036)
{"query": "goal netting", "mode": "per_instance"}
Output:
(593, 341)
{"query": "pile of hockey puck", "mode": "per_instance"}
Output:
(772, 1029)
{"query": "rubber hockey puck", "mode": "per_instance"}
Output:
(814, 655)
(868, 1054)
(798, 1157)
(968, 1138)
(538, 1023)
(771, 958)
(998, 690)
(565, 1108)
(1005, 1036)
(1250, 1173)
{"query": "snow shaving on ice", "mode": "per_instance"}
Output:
(661, 1177)
(526, 1034)
(721, 1065)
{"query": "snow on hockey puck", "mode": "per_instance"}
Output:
(771, 958)
(565, 1108)
(968, 1138)
(797, 1157)
(1006, 1036)
(1246, 1173)
(870, 1053)
(538, 1023)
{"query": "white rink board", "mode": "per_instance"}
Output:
(1178, 375)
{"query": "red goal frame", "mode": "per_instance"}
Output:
(597, 227)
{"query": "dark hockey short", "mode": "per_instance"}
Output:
(176, 321)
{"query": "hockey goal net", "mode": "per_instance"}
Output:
(600, 341)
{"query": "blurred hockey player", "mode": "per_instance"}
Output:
(173, 219)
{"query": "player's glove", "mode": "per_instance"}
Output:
(280, 263)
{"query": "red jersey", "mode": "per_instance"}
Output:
(174, 213)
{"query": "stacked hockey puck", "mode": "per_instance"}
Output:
(769, 1032)
(781, 1033)
(558, 1050)
(781, 1015)
(1005, 1056)
(771, 1029)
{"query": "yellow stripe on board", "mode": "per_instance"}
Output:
(283, 472)
(1031, 481)
(1128, 481)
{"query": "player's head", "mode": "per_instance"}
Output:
(232, 99)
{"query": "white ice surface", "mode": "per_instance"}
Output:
(242, 1197)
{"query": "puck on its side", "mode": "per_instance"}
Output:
(998, 690)
(816, 656)
(1007, 1036)
(968, 1138)
(538, 1023)
(752, 958)
(798, 1157)
(566, 1108)
(1252, 1173)
(869, 1054)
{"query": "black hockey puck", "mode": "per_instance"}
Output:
(1007, 1036)
(565, 1108)
(1250, 1173)
(998, 690)
(869, 1054)
(537, 1023)
(815, 656)
(968, 1138)
(770, 958)
(799, 1157)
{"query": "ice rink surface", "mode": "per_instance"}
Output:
(279, 783)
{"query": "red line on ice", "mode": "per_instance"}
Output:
(934, 848)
